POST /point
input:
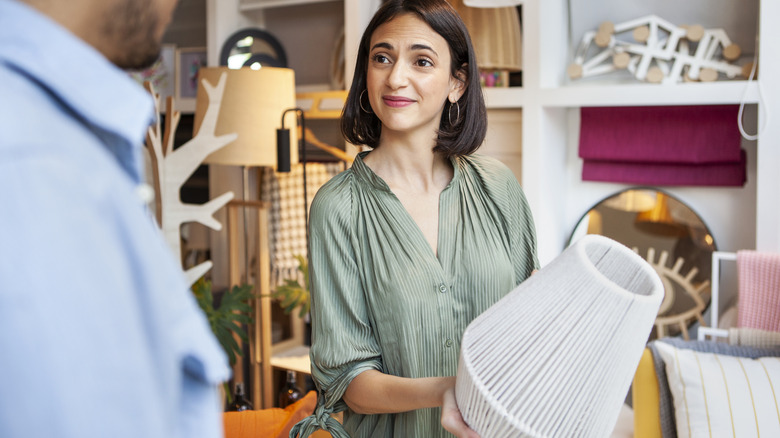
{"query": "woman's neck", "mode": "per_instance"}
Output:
(410, 165)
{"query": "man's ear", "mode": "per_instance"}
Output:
(458, 86)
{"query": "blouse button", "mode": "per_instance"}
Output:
(443, 288)
(448, 343)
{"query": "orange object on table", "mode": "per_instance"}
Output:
(273, 422)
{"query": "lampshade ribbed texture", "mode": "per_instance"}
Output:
(555, 357)
(495, 35)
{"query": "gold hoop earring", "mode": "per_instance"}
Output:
(449, 113)
(360, 101)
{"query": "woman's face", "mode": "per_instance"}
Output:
(408, 78)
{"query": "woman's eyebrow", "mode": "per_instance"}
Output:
(382, 45)
(424, 47)
(418, 46)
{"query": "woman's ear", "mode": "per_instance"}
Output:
(458, 83)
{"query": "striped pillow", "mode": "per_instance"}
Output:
(718, 395)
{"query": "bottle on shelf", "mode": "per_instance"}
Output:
(290, 393)
(240, 403)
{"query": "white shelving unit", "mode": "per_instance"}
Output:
(747, 217)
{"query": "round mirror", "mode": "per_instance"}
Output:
(672, 238)
(252, 48)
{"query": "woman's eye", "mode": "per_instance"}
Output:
(382, 59)
(424, 62)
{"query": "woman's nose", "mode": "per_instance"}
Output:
(399, 76)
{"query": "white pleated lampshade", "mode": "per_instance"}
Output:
(556, 356)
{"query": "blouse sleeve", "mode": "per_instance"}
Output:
(343, 342)
(522, 231)
(504, 189)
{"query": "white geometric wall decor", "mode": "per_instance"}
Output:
(654, 50)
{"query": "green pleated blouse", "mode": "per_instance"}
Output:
(382, 299)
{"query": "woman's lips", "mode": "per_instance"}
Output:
(397, 101)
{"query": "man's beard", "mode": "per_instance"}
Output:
(133, 31)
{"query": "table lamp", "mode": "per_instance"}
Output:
(253, 107)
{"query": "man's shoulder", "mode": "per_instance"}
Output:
(31, 115)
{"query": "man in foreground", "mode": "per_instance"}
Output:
(99, 335)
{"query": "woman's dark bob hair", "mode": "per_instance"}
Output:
(467, 131)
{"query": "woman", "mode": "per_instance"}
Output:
(416, 239)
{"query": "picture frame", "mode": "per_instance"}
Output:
(161, 73)
(188, 61)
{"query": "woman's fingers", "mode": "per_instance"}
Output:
(452, 420)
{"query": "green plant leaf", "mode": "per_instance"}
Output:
(227, 319)
(303, 266)
(242, 318)
(291, 294)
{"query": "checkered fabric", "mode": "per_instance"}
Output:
(286, 221)
(759, 290)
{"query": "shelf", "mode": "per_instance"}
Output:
(253, 5)
(295, 359)
(322, 104)
(711, 93)
(510, 97)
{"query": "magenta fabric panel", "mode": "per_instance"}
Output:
(759, 290)
(713, 174)
(661, 134)
(663, 145)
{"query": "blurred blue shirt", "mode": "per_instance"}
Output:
(99, 334)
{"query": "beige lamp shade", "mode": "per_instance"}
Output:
(251, 106)
(495, 34)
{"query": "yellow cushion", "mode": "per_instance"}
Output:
(646, 399)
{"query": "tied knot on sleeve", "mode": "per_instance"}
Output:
(325, 419)
(321, 419)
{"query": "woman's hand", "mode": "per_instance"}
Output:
(373, 392)
(451, 419)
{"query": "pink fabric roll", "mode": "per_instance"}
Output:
(759, 290)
